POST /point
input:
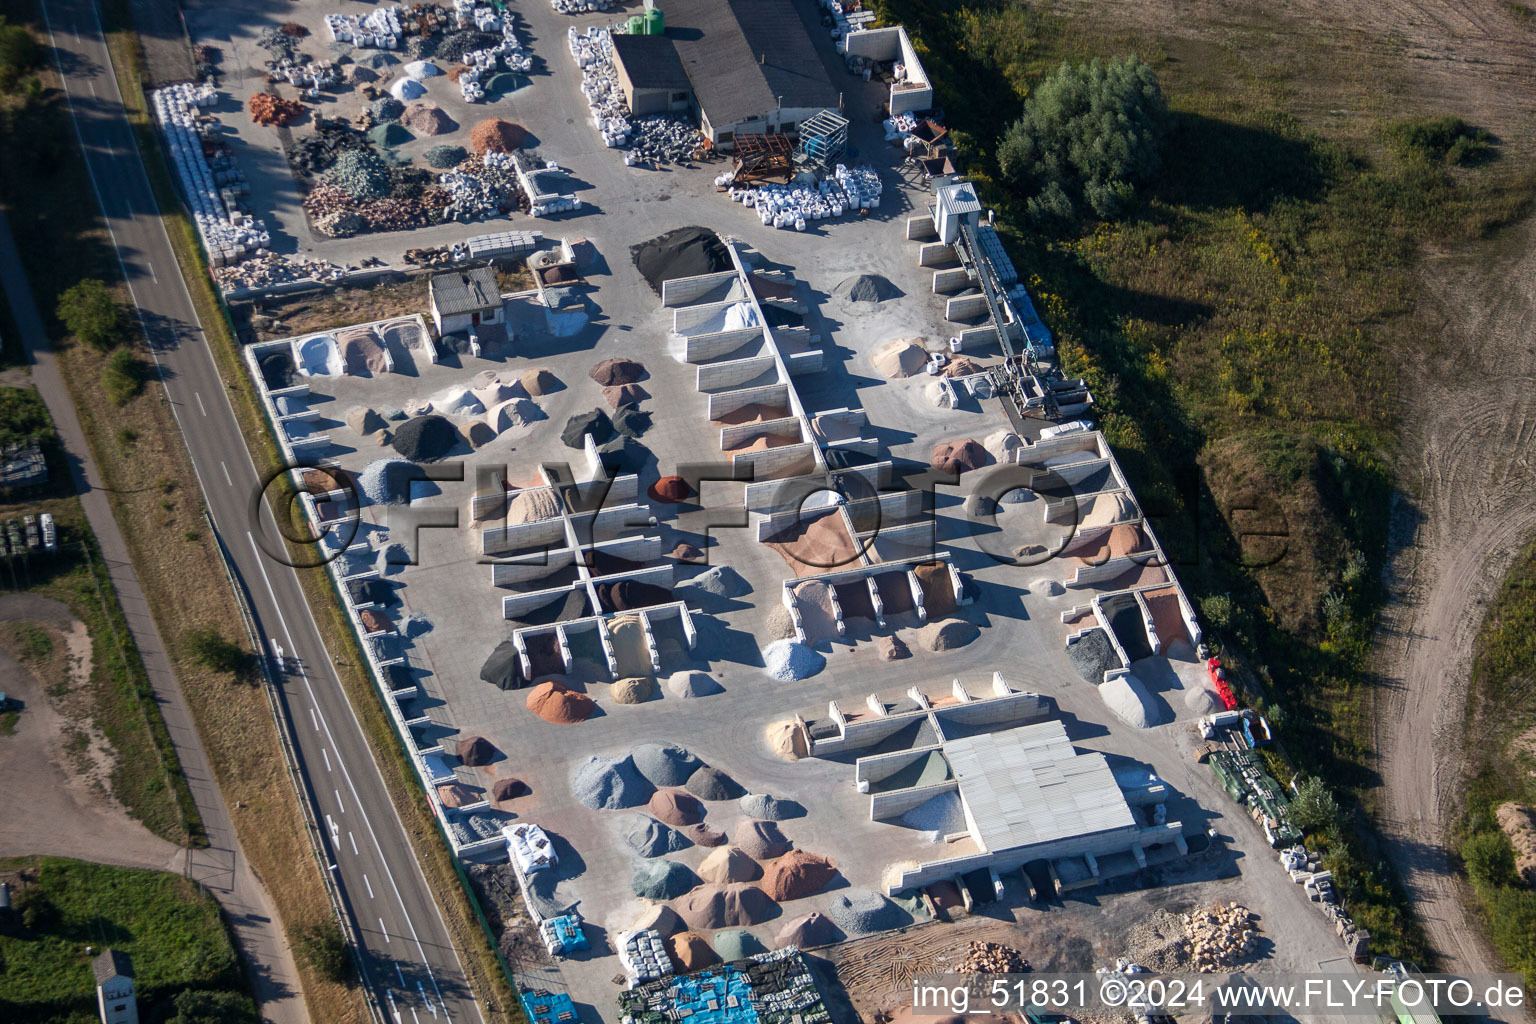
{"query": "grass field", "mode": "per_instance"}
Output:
(165, 923)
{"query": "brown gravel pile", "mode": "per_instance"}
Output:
(624, 394)
(273, 111)
(959, 456)
(476, 751)
(676, 807)
(612, 372)
(733, 905)
(797, 875)
(495, 135)
(456, 794)
(427, 119)
(554, 703)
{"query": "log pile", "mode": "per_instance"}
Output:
(1220, 936)
(992, 958)
(273, 111)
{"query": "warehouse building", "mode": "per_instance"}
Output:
(742, 67)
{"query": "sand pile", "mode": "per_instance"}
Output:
(650, 838)
(503, 669)
(363, 421)
(1092, 655)
(323, 481)
(814, 601)
(425, 438)
(734, 904)
(577, 427)
(1201, 700)
(752, 412)
(508, 789)
(633, 690)
(808, 932)
(661, 919)
(554, 703)
(770, 808)
(1128, 699)
(947, 634)
(629, 647)
(685, 552)
(690, 952)
(427, 119)
(495, 135)
(1002, 445)
(959, 456)
(624, 394)
(797, 875)
(760, 840)
(618, 372)
(713, 784)
(539, 381)
(534, 505)
(787, 740)
(610, 784)
(457, 794)
(1046, 587)
(1106, 509)
(900, 358)
(685, 252)
(892, 648)
(861, 912)
(661, 880)
(962, 366)
(937, 587)
(677, 807)
(672, 489)
(786, 660)
(737, 944)
(477, 435)
(387, 481)
(777, 624)
(476, 751)
(665, 764)
(720, 581)
(626, 595)
(818, 543)
(866, 288)
(688, 684)
(729, 864)
(514, 417)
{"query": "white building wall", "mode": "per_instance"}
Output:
(114, 994)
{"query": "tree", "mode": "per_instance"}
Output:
(90, 313)
(210, 649)
(1314, 808)
(1090, 133)
(323, 948)
(1489, 858)
(198, 1006)
(18, 52)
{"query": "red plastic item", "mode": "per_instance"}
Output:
(1219, 680)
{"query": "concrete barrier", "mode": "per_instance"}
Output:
(921, 228)
(936, 254)
(951, 280)
(733, 373)
(964, 307)
(726, 402)
(684, 291)
(738, 434)
(801, 363)
(702, 348)
(530, 567)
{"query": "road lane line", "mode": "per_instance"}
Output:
(327, 755)
(152, 275)
(313, 719)
(199, 396)
(400, 973)
(382, 929)
(338, 801)
(369, 886)
(226, 473)
(354, 844)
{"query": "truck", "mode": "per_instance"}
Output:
(13, 534)
(34, 536)
(50, 534)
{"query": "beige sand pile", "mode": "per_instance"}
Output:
(833, 428)
(629, 646)
(456, 794)
(427, 119)
(1106, 509)
(947, 634)
(778, 625)
(938, 589)
(962, 366)
(554, 703)
(690, 952)
(813, 599)
(1046, 587)
(959, 456)
(633, 690)
(494, 135)
(797, 875)
(676, 807)
(1002, 445)
(814, 546)
(787, 740)
(892, 648)
(752, 412)
(532, 506)
(660, 919)
(1201, 700)
(1128, 699)
(323, 481)
(379, 438)
(900, 358)
(477, 435)
(761, 443)
(539, 381)
(514, 417)
(363, 421)
(760, 840)
(732, 905)
(729, 864)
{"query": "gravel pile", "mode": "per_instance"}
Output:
(937, 587)
(1128, 699)
(735, 904)
(719, 581)
(690, 952)
(947, 634)
(650, 838)
(703, 835)
(475, 751)
(797, 875)
(808, 932)
(388, 135)
(676, 807)
(630, 421)
(770, 808)
(900, 358)
(444, 157)
(386, 108)
(454, 45)
(729, 864)
(1201, 700)
(664, 764)
(633, 690)
(686, 685)
(786, 739)
(713, 784)
(360, 174)
(539, 381)
(617, 372)
(495, 135)
(277, 370)
(866, 288)
(786, 660)
(686, 252)
(618, 395)
(892, 648)
(959, 456)
(1093, 655)
(778, 624)
(662, 880)
(387, 481)
(735, 944)
(760, 840)
(627, 595)
(425, 438)
(862, 912)
(939, 816)
(427, 119)
(610, 783)
(595, 423)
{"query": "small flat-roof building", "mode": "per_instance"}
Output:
(747, 67)
(464, 299)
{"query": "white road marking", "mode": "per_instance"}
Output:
(413, 1015)
(369, 886)
(152, 275)
(199, 396)
(354, 844)
(383, 929)
(226, 474)
(335, 831)
(392, 1007)
(338, 801)
(327, 755)
(91, 85)
(313, 719)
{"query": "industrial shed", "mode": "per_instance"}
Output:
(464, 300)
(651, 75)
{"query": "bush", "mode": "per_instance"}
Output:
(24, 417)
(209, 649)
(18, 52)
(200, 1007)
(1489, 858)
(123, 377)
(324, 949)
(1217, 609)
(90, 313)
(1090, 133)
(1314, 808)
(1513, 912)
(1448, 139)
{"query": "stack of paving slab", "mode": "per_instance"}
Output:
(229, 235)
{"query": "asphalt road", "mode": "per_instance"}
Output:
(411, 965)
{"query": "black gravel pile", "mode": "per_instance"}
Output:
(627, 595)
(425, 438)
(595, 423)
(866, 288)
(454, 46)
(623, 455)
(573, 606)
(686, 252)
(277, 370)
(630, 421)
(1093, 655)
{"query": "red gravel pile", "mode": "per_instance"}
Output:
(797, 875)
(495, 135)
(673, 489)
(554, 703)
(273, 111)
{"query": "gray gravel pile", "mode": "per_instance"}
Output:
(610, 784)
(664, 764)
(862, 912)
(687, 684)
(720, 581)
(713, 784)
(866, 288)
(444, 157)
(662, 880)
(770, 808)
(1093, 655)
(650, 838)
(360, 174)
(940, 816)
(623, 455)
(386, 108)
(387, 481)
(595, 423)
(630, 421)
(761, 840)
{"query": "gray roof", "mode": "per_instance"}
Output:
(465, 292)
(1027, 785)
(742, 56)
(651, 62)
(110, 964)
(960, 198)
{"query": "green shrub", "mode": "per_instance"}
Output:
(324, 949)
(91, 314)
(210, 649)
(123, 377)
(18, 53)
(1513, 913)
(1090, 133)
(200, 1007)
(32, 643)
(1489, 858)
(1446, 138)
(1217, 609)
(1314, 808)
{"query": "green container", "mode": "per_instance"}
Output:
(636, 25)
(655, 22)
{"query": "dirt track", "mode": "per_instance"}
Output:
(1469, 458)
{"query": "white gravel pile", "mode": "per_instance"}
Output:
(610, 783)
(939, 817)
(785, 660)
(1127, 698)
(686, 685)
